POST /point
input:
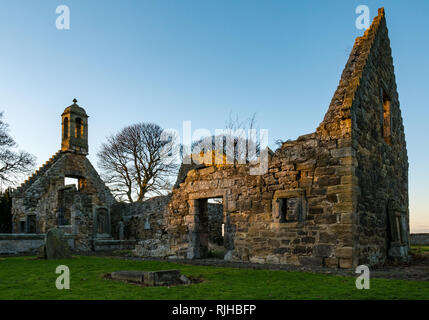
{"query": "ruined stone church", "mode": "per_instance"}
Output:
(337, 197)
(44, 201)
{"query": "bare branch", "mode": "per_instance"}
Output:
(13, 164)
(138, 161)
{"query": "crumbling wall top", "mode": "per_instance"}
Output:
(339, 108)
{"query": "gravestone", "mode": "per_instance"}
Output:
(152, 278)
(56, 246)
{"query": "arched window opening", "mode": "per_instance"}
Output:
(66, 128)
(79, 128)
(387, 129)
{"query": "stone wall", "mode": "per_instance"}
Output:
(11, 244)
(336, 197)
(43, 198)
(146, 220)
(143, 223)
(142, 220)
(20, 243)
(112, 245)
(15, 244)
(379, 149)
(419, 238)
(309, 169)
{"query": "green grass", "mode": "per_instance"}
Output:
(420, 248)
(28, 278)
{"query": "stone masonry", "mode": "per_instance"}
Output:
(337, 197)
(43, 201)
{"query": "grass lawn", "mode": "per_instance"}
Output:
(420, 249)
(28, 278)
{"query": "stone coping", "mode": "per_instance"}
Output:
(22, 236)
(28, 236)
(41, 236)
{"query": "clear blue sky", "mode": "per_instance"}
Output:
(169, 61)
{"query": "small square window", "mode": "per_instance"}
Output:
(289, 206)
(290, 210)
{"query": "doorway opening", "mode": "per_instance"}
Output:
(207, 236)
(22, 227)
(31, 223)
(216, 228)
(102, 221)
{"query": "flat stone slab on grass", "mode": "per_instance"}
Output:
(152, 278)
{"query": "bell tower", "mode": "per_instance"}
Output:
(74, 129)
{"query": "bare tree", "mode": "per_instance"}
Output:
(234, 142)
(13, 163)
(246, 147)
(140, 159)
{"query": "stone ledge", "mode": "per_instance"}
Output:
(22, 236)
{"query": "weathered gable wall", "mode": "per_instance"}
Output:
(382, 163)
(41, 197)
(343, 178)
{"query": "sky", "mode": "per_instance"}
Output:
(171, 61)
